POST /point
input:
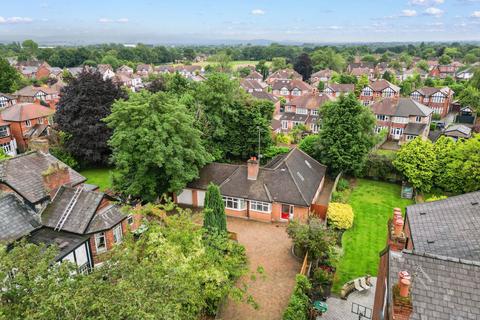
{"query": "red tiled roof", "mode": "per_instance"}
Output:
(310, 101)
(26, 111)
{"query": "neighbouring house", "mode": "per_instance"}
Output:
(254, 75)
(467, 73)
(35, 177)
(322, 75)
(466, 115)
(404, 118)
(144, 70)
(133, 82)
(6, 100)
(359, 72)
(303, 110)
(263, 95)
(27, 121)
(283, 190)
(443, 71)
(19, 221)
(125, 70)
(458, 131)
(189, 71)
(284, 74)
(337, 89)
(164, 69)
(290, 88)
(437, 99)
(37, 94)
(430, 267)
(84, 212)
(7, 140)
(377, 90)
(106, 71)
(252, 85)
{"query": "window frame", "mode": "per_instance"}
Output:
(28, 123)
(98, 236)
(240, 203)
(260, 206)
(117, 234)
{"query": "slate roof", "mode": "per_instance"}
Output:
(106, 219)
(458, 130)
(447, 227)
(16, 219)
(66, 241)
(360, 71)
(251, 85)
(254, 75)
(23, 173)
(81, 214)
(413, 128)
(442, 288)
(326, 73)
(26, 111)
(342, 87)
(310, 101)
(285, 74)
(430, 91)
(400, 107)
(264, 95)
(294, 179)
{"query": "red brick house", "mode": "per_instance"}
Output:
(254, 75)
(437, 99)
(404, 118)
(27, 121)
(36, 94)
(303, 110)
(429, 268)
(284, 74)
(282, 190)
(377, 90)
(336, 89)
(442, 71)
(252, 85)
(6, 100)
(7, 140)
(290, 88)
(322, 75)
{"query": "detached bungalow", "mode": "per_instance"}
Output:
(282, 190)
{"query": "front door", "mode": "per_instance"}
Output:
(287, 212)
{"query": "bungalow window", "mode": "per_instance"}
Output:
(28, 123)
(260, 206)
(117, 234)
(297, 123)
(284, 124)
(7, 148)
(40, 120)
(234, 203)
(100, 243)
(289, 109)
(410, 137)
(387, 93)
(3, 102)
(416, 96)
(302, 111)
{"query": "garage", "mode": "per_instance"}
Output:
(185, 197)
(201, 198)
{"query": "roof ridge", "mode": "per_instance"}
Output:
(228, 178)
(442, 257)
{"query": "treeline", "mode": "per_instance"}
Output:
(117, 54)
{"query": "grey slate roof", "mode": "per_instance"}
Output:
(264, 95)
(23, 173)
(447, 227)
(442, 288)
(16, 219)
(293, 178)
(414, 128)
(81, 214)
(66, 241)
(106, 218)
(409, 107)
(458, 130)
(292, 116)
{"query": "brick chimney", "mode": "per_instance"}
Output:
(396, 237)
(402, 300)
(253, 166)
(55, 177)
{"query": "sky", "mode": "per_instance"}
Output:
(215, 21)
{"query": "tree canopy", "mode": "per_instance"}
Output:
(8, 77)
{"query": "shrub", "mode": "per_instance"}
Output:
(63, 155)
(273, 151)
(322, 277)
(340, 215)
(342, 185)
(380, 166)
(308, 144)
(435, 198)
(298, 305)
(282, 138)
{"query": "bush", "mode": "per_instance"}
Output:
(298, 305)
(322, 277)
(282, 138)
(308, 144)
(273, 151)
(380, 166)
(340, 215)
(342, 185)
(63, 155)
(435, 198)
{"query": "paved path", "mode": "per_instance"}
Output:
(339, 309)
(268, 246)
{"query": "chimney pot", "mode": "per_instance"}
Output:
(398, 226)
(404, 282)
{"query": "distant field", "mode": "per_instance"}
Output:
(235, 64)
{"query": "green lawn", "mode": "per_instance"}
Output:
(98, 176)
(373, 204)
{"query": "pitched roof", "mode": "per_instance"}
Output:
(251, 85)
(25, 111)
(31, 91)
(255, 75)
(293, 178)
(322, 74)
(106, 219)
(458, 130)
(285, 74)
(264, 95)
(16, 219)
(360, 71)
(415, 128)
(9, 97)
(65, 241)
(291, 84)
(81, 214)
(400, 107)
(23, 173)
(342, 87)
(382, 84)
(442, 288)
(447, 227)
(310, 101)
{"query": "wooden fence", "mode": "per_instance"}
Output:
(319, 210)
(304, 268)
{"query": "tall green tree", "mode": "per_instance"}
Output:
(215, 218)
(9, 77)
(417, 161)
(346, 135)
(156, 146)
(470, 96)
(84, 102)
(303, 65)
(262, 68)
(279, 63)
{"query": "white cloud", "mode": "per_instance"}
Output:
(476, 14)
(432, 11)
(258, 12)
(12, 20)
(334, 27)
(408, 13)
(107, 20)
(425, 2)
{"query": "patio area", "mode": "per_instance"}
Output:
(267, 246)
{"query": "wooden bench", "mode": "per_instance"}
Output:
(359, 284)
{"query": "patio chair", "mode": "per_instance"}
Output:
(358, 285)
(363, 282)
